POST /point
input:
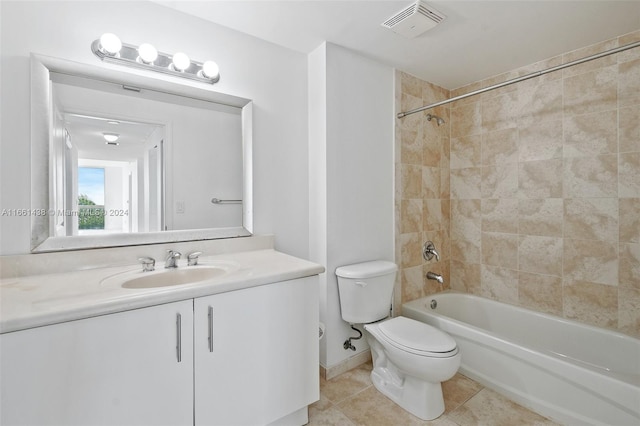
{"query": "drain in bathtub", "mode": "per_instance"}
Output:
(434, 303)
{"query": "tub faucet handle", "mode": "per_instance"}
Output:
(429, 250)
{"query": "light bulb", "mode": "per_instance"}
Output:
(210, 70)
(147, 53)
(181, 61)
(110, 137)
(110, 44)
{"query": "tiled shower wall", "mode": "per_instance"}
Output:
(531, 192)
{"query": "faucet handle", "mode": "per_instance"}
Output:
(148, 264)
(192, 258)
(429, 250)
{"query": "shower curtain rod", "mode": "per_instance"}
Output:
(523, 78)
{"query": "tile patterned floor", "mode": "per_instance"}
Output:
(351, 400)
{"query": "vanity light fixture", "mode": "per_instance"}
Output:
(109, 48)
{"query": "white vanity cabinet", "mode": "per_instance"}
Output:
(117, 369)
(256, 354)
(243, 357)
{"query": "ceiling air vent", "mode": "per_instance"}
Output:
(413, 20)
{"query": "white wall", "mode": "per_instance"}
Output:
(351, 126)
(274, 78)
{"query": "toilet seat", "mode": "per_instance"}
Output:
(418, 338)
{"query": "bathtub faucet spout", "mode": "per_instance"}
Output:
(434, 276)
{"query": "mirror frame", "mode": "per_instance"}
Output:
(40, 96)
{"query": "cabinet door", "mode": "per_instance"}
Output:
(118, 369)
(262, 361)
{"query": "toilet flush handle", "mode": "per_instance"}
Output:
(361, 283)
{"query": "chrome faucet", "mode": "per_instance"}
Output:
(172, 257)
(434, 276)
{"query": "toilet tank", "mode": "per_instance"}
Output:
(366, 290)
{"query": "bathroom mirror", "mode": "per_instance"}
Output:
(121, 158)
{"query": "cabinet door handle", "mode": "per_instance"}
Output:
(210, 328)
(179, 337)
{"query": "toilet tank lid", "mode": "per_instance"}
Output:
(371, 269)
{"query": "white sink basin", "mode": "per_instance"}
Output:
(169, 277)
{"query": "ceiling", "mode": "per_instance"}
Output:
(478, 39)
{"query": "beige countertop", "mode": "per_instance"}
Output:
(38, 300)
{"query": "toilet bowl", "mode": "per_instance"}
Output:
(410, 358)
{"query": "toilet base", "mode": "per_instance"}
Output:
(422, 399)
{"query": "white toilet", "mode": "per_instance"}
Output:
(410, 358)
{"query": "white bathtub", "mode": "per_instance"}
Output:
(570, 372)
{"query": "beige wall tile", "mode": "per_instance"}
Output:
(465, 151)
(500, 181)
(630, 265)
(500, 249)
(500, 112)
(540, 292)
(541, 217)
(629, 129)
(430, 182)
(591, 176)
(540, 103)
(411, 181)
(466, 183)
(532, 190)
(466, 119)
(467, 251)
(499, 147)
(432, 217)
(411, 146)
(588, 262)
(540, 179)
(499, 284)
(411, 216)
(500, 215)
(445, 183)
(465, 277)
(629, 83)
(629, 220)
(591, 219)
(629, 311)
(408, 102)
(540, 141)
(412, 283)
(629, 175)
(411, 85)
(592, 303)
(466, 220)
(411, 249)
(590, 92)
(432, 151)
(591, 134)
(540, 255)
